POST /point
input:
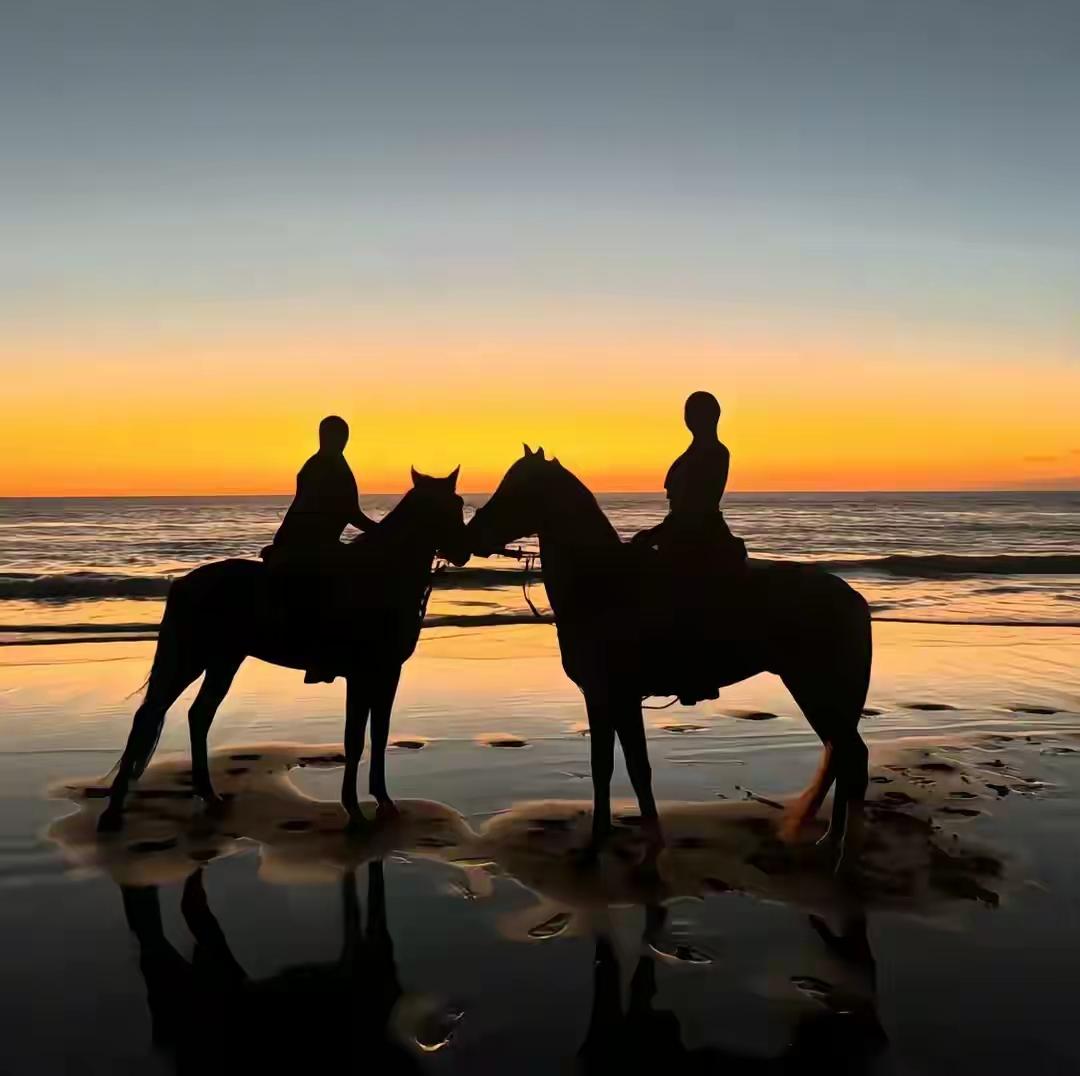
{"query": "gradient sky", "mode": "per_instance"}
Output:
(466, 224)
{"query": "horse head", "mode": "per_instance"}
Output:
(443, 513)
(514, 509)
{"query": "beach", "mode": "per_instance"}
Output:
(953, 954)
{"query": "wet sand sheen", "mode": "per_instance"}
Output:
(497, 928)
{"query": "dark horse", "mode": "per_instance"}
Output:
(221, 613)
(616, 630)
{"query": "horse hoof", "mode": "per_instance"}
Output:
(111, 820)
(653, 834)
(357, 823)
(585, 859)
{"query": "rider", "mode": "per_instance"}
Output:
(326, 502)
(693, 540)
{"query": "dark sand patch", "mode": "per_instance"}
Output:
(680, 953)
(499, 739)
(870, 711)
(928, 707)
(752, 715)
(1045, 711)
(684, 728)
(413, 743)
(550, 928)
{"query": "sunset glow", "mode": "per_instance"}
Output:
(858, 230)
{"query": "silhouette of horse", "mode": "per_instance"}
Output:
(844, 1036)
(211, 1016)
(808, 627)
(221, 613)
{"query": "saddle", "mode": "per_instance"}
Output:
(331, 614)
(691, 586)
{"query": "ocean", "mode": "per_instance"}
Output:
(76, 569)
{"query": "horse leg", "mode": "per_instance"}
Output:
(846, 828)
(212, 691)
(630, 729)
(211, 946)
(602, 762)
(382, 704)
(833, 708)
(145, 730)
(357, 705)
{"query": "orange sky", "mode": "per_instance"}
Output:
(805, 408)
(465, 226)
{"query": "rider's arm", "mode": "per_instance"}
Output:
(362, 522)
(725, 464)
(357, 518)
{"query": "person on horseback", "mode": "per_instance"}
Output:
(697, 551)
(305, 548)
(326, 501)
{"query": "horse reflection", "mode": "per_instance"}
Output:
(209, 1014)
(844, 1037)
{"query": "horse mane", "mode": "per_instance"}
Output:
(584, 499)
(390, 526)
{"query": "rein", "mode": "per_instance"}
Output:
(440, 566)
(528, 565)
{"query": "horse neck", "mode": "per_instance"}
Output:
(400, 538)
(577, 542)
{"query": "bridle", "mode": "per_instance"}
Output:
(529, 560)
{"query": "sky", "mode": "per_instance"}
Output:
(465, 224)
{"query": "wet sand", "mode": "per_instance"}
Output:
(188, 941)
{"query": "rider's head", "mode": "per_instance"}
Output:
(702, 412)
(333, 433)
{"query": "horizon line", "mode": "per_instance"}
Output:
(488, 493)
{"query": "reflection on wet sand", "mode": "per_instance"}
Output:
(918, 860)
(842, 1036)
(209, 1015)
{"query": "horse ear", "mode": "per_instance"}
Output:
(452, 477)
(416, 476)
(540, 451)
(528, 451)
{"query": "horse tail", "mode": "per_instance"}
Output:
(834, 709)
(801, 810)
